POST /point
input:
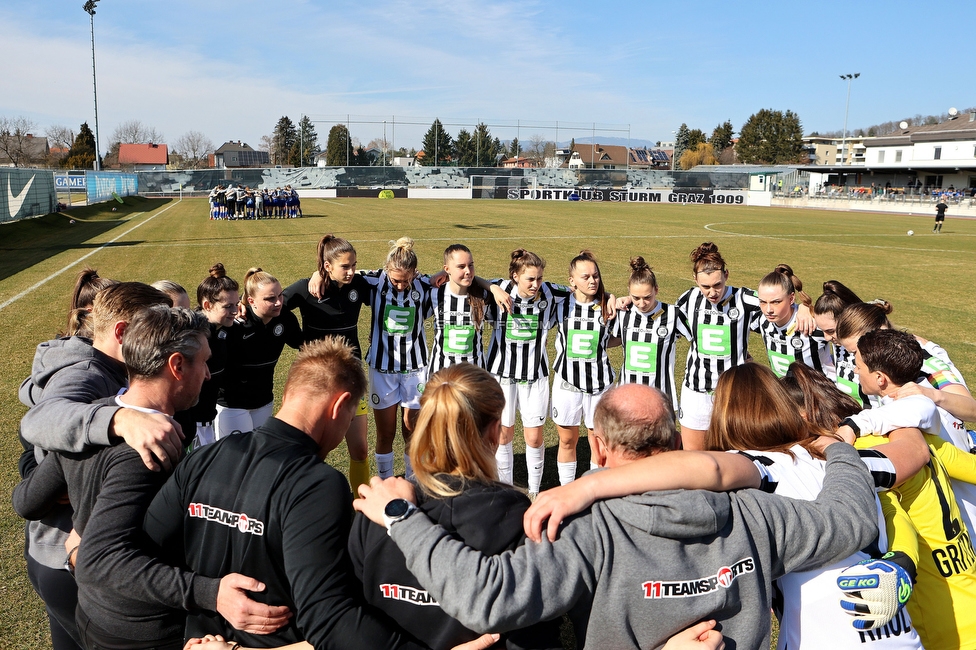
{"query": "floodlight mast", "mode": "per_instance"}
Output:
(843, 142)
(89, 7)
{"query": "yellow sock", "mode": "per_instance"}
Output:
(358, 474)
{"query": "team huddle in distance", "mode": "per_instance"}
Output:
(170, 505)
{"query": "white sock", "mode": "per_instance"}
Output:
(567, 472)
(384, 465)
(505, 459)
(407, 467)
(535, 457)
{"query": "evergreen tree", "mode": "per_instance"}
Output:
(514, 148)
(721, 137)
(497, 148)
(464, 149)
(772, 138)
(486, 148)
(283, 140)
(437, 145)
(680, 142)
(82, 152)
(306, 142)
(338, 148)
(695, 138)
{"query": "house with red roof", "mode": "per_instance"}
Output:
(143, 157)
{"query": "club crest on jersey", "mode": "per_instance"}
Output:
(543, 304)
(662, 331)
(599, 320)
(733, 313)
(279, 329)
(420, 387)
(353, 296)
(723, 579)
(222, 334)
(796, 342)
(415, 295)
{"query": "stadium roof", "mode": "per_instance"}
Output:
(143, 154)
(960, 127)
(745, 169)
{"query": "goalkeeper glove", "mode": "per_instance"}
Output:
(876, 590)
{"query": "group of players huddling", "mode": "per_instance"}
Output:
(837, 368)
(241, 202)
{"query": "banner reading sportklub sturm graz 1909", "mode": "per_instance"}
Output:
(690, 195)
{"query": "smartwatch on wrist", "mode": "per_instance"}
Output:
(397, 510)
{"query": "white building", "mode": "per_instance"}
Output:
(939, 155)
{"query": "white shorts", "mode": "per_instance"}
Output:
(569, 405)
(531, 398)
(229, 421)
(696, 409)
(389, 388)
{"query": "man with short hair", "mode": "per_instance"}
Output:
(67, 377)
(127, 597)
(633, 571)
(264, 504)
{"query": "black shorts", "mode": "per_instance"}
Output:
(940, 217)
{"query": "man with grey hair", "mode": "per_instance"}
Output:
(633, 571)
(632, 421)
(126, 596)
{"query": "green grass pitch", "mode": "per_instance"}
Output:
(924, 277)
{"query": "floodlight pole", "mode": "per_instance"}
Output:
(89, 7)
(843, 142)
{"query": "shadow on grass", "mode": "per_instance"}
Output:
(26, 243)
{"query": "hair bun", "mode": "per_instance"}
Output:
(218, 271)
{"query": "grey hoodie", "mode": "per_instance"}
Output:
(632, 572)
(67, 376)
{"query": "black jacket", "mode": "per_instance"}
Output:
(264, 505)
(253, 349)
(485, 517)
(205, 410)
(336, 314)
(123, 588)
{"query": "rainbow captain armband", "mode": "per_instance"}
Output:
(874, 590)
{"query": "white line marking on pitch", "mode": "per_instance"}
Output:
(81, 259)
(814, 241)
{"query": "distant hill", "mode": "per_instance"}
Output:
(633, 143)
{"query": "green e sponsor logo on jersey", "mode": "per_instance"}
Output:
(399, 320)
(640, 357)
(780, 363)
(582, 344)
(715, 340)
(459, 339)
(848, 387)
(522, 327)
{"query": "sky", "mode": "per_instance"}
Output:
(638, 69)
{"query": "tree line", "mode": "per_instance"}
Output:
(768, 137)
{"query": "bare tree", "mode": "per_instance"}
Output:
(537, 149)
(135, 132)
(16, 141)
(193, 148)
(265, 143)
(60, 136)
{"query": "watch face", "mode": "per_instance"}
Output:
(396, 508)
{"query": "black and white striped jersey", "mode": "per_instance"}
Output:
(396, 339)
(801, 477)
(720, 334)
(457, 334)
(650, 341)
(846, 378)
(517, 349)
(582, 335)
(786, 344)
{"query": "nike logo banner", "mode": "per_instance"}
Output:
(26, 193)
